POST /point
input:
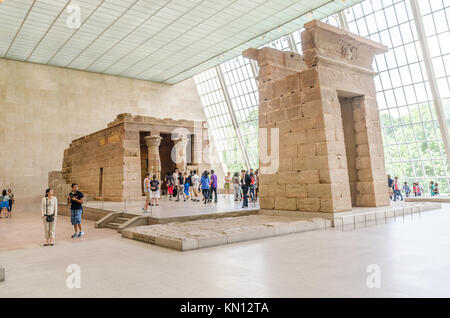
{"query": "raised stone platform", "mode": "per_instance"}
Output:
(172, 211)
(439, 198)
(211, 232)
(382, 215)
(361, 214)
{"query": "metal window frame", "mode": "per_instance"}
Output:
(233, 117)
(438, 119)
(432, 80)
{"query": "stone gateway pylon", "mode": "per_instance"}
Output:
(324, 107)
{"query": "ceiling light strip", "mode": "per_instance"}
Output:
(192, 44)
(148, 39)
(103, 32)
(20, 28)
(165, 44)
(49, 28)
(258, 36)
(73, 33)
(126, 35)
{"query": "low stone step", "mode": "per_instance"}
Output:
(121, 220)
(113, 225)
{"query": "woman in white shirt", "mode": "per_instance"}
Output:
(49, 212)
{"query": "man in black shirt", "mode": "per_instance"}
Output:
(76, 201)
(154, 191)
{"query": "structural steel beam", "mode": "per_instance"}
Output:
(233, 117)
(437, 101)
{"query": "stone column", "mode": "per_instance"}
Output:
(154, 161)
(180, 144)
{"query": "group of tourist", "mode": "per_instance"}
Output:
(190, 185)
(238, 182)
(6, 203)
(395, 189)
(49, 213)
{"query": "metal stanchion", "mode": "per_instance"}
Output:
(385, 217)
(354, 223)
(151, 209)
(342, 219)
(365, 220)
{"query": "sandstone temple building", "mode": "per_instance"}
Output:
(110, 164)
(324, 105)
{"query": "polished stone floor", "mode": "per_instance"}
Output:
(412, 254)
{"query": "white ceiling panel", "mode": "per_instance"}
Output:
(157, 40)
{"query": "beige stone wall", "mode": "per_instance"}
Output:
(85, 156)
(44, 108)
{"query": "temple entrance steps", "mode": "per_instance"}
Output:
(119, 221)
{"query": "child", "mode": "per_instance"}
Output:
(406, 189)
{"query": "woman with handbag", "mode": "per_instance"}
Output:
(49, 211)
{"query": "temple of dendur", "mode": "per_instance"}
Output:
(110, 164)
(324, 105)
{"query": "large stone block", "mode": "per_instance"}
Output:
(289, 204)
(309, 78)
(312, 108)
(267, 203)
(296, 191)
(308, 204)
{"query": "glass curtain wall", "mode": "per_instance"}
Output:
(413, 145)
(219, 120)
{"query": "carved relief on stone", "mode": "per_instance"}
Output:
(349, 52)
